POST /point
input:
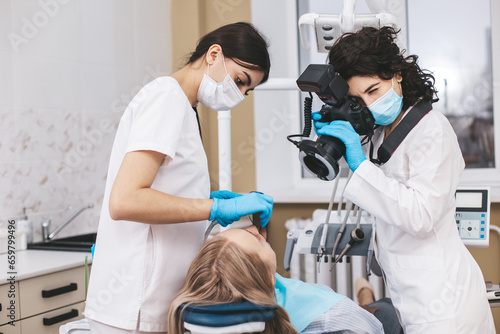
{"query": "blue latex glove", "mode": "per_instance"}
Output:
(344, 131)
(227, 211)
(317, 124)
(224, 194)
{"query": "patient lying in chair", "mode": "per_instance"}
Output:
(239, 265)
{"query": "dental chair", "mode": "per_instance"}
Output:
(235, 318)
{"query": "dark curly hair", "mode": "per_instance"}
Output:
(372, 51)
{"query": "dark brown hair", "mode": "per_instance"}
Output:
(372, 51)
(241, 42)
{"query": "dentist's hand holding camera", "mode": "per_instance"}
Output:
(344, 131)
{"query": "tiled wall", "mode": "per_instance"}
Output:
(67, 70)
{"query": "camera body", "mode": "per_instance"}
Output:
(321, 157)
(348, 109)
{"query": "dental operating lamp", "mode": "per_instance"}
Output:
(328, 27)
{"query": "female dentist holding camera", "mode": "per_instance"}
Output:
(433, 281)
(157, 198)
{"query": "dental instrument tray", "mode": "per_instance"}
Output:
(359, 248)
(308, 239)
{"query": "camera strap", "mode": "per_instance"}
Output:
(396, 137)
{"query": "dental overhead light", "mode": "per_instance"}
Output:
(328, 27)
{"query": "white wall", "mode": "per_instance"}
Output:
(67, 70)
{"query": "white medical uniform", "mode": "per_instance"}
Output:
(138, 268)
(434, 282)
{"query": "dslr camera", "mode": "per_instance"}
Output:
(321, 157)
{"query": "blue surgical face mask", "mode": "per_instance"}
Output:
(387, 107)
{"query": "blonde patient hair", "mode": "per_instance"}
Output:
(223, 272)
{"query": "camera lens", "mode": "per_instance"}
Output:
(321, 157)
(316, 166)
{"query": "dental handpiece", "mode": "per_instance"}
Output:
(341, 200)
(359, 211)
(210, 228)
(342, 228)
(324, 233)
(256, 220)
(357, 235)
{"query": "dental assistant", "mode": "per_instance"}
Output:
(434, 283)
(157, 198)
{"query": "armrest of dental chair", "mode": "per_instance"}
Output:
(241, 317)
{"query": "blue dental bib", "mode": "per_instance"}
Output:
(302, 301)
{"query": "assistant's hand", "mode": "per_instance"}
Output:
(224, 194)
(227, 211)
(344, 131)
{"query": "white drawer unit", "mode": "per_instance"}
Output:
(49, 292)
(43, 303)
(49, 322)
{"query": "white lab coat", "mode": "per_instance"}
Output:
(138, 268)
(434, 282)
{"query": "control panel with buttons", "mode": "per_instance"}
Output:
(473, 216)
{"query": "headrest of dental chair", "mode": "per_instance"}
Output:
(228, 314)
